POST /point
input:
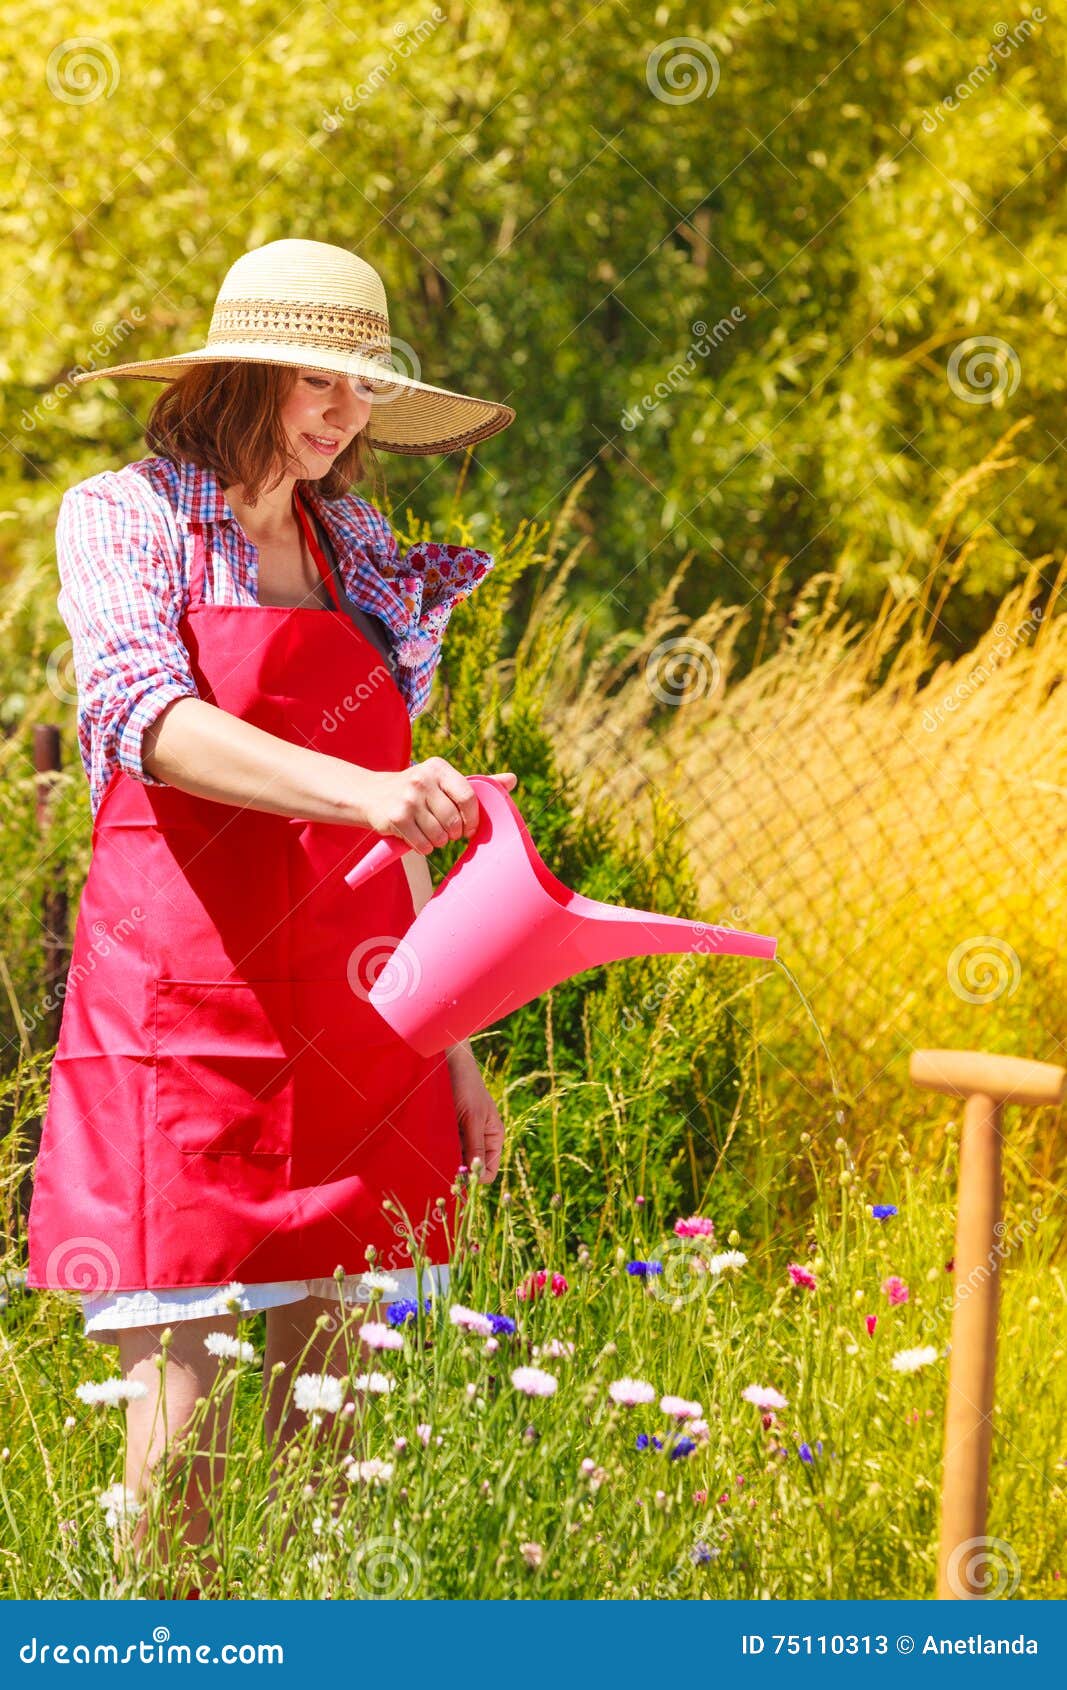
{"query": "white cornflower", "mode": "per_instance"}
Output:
(378, 1383)
(318, 1393)
(680, 1408)
(378, 1336)
(120, 1505)
(725, 1260)
(371, 1472)
(910, 1361)
(221, 1344)
(556, 1349)
(113, 1392)
(234, 1297)
(630, 1392)
(377, 1284)
(470, 1321)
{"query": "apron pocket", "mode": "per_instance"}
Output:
(224, 1063)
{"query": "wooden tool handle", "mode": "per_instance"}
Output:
(1005, 1079)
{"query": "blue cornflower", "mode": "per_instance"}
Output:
(398, 1314)
(806, 1454)
(701, 1553)
(682, 1446)
(882, 1211)
(643, 1441)
(502, 1323)
(641, 1270)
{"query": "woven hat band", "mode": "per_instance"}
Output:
(343, 328)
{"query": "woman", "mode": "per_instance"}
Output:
(230, 1120)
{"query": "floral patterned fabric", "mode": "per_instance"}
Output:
(124, 545)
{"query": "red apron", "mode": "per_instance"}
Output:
(225, 1102)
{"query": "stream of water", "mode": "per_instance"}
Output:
(839, 1096)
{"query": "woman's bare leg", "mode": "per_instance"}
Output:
(177, 1376)
(297, 1343)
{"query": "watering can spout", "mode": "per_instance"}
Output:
(501, 929)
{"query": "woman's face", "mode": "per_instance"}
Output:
(321, 415)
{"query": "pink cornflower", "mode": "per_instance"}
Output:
(378, 1336)
(801, 1276)
(895, 1289)
(764, 1396)
(534, 1381)
(680, 1408)
(631, 1392)
(872, 1322)
(532, 1287)
(470, 1320)
(697, 1226)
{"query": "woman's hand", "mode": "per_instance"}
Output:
(427, 805)
(480, 1127)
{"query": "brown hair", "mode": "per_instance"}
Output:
(224, 417)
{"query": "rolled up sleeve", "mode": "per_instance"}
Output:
(121, 600)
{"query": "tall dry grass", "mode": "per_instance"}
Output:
(894, 815)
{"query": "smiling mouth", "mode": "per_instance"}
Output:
(323, 442)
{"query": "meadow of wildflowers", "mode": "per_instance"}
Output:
(673, 1411)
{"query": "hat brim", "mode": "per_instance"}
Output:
(407, 416)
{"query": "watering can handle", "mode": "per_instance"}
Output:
(389, 848)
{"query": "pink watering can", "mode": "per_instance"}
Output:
(500, 929)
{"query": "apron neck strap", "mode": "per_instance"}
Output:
(315, 549)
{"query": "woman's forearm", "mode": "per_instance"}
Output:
(213, 754)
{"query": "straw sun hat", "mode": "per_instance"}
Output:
(319, 307)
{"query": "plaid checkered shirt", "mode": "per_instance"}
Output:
(124, 545)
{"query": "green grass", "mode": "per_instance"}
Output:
(743, 1515)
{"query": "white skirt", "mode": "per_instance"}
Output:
(106, 1316)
